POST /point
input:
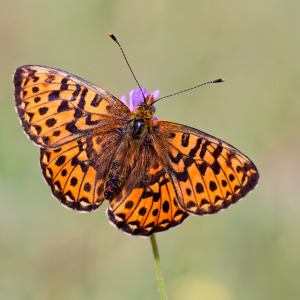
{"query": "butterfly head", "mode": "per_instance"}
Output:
(146, 109)
(140, 102)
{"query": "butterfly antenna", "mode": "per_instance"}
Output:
(117, 42)
(214, 81)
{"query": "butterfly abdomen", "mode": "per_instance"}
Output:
(115, 179)
(120, 168)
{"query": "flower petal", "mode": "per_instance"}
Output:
(123, 99)
(130, 100)
(155, 94)
(136, 97)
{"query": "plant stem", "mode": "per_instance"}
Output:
(158, 268)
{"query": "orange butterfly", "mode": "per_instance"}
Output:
(94, 148)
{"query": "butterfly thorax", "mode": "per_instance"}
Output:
(141, 119)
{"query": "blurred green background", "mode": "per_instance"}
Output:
(251, 250)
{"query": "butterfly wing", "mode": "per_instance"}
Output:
(76, 171)
(56, 107)
(207, 173)
(147, 202)
(180, 170)
(77, 124)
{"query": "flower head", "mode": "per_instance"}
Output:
(136, 96)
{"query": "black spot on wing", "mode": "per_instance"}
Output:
(35, 89)
(217, 152)
(71, 127)
(216, 167)
(96, 101)
(64, 85)
(76, 93)
(63, 106)
(194, 150)
(202, 167)
(81, 103)
(51, 122)
(185, 140)
(53, 95)
(43, 110)
(203, 149)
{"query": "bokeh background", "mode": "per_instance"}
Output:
(251, 250)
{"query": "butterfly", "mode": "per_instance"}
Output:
(154, 173)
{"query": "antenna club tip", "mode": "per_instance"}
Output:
(112, 36)
(220, 80)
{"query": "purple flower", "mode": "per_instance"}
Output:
(136, 96)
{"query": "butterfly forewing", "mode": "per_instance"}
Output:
(207, 173)
(56, 107)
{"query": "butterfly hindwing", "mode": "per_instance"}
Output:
(207, 173)
(76, 171)
(56, 107)
(147, 202)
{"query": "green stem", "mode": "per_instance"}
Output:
(158, 268)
